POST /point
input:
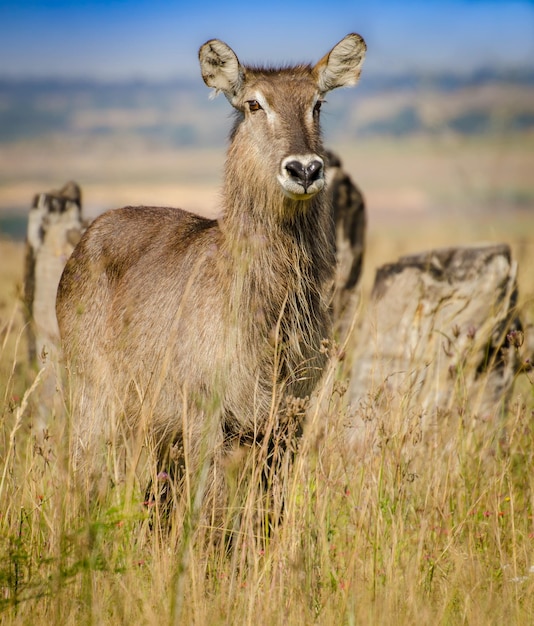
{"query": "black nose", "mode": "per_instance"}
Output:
(305, 174)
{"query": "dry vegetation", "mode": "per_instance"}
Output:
(366, 539)
(410, 531)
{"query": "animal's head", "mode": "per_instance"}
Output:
(278, 109)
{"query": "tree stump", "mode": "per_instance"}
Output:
(55, 226)
(437, 337)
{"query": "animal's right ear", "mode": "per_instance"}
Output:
(221, 69)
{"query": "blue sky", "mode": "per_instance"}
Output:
(115, 39)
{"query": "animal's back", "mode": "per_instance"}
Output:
(119, 242)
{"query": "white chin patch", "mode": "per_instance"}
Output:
(294, 190)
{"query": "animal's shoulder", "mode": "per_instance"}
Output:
(122, 238)
(142, 227)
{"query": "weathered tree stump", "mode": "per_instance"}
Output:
(437, 336)
(55, 226)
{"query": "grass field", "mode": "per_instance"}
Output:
(364, 541)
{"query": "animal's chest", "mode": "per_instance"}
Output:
(279, 342)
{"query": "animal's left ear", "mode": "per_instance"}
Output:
(341, 67)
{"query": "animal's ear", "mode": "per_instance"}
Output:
(221, 69)
(341, 67)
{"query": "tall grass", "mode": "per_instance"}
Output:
(409, 529)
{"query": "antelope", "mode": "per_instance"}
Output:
(196, 331)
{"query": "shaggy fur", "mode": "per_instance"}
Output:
(195, 330)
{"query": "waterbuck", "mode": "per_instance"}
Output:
(199, 332)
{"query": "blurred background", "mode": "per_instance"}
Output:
(108, 93)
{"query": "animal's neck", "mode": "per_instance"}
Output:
(279, 255)
(281, 251)
(270, 233)
(258, 213)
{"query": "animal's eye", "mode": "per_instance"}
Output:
(254, 105)
(317, 106)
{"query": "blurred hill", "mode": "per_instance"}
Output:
(179, 113)
(413, 142)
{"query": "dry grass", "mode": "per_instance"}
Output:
(365, 540)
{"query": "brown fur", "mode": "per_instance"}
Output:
(195, 330)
